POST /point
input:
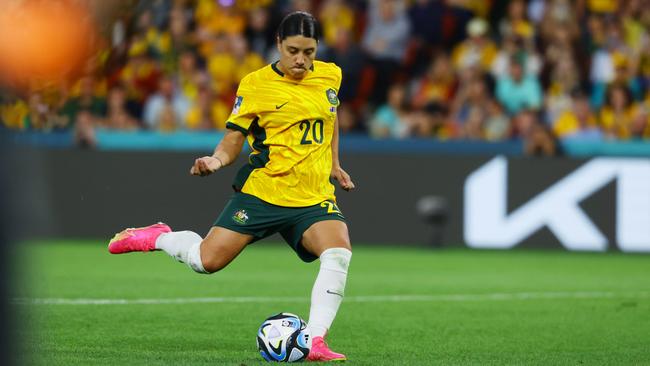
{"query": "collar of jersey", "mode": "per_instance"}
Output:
(275, 68)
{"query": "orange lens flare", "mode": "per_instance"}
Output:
(43, 41)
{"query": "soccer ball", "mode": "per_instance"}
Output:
(284, 337)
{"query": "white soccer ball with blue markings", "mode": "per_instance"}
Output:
(284, 337)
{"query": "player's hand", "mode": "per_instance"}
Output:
(205, 166)
(343, 178)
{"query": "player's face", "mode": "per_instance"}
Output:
(297, 55)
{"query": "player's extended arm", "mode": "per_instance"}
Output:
(225, 153)
(337, 172)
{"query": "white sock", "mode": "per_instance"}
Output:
(184, 246)
(328, 291)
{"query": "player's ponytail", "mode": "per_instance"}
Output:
(299, 23)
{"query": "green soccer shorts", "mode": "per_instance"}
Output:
(248, 214)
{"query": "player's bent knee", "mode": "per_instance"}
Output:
(214, 261)
(206, 259)
(220, 247)
(213, 266)
(194, 260)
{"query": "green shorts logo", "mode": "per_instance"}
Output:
(240, 217)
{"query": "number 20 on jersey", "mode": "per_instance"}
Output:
(312, 132)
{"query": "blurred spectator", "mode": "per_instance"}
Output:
(617, 114)
(87, 101)
(523, 123)
(644, 65)
(188, 76)
(497, 124)
(459, 13)
(392, 119)
(559, 14)
(427, 23)
(602, 6)
(157, 11)
(335, 16)
(245, 61)
(558, 44)
(640, 126)
(180, 24)
(515, 23)
(176, 39)
(259, 34)
(514, 47)
(563, 80)
(84, 131)
(167, 109)
(431, 121)
(299, 5)
(206, 112)
(538, 138)
(222, 65)
(610, 63)
(385, 41)
(217, 17)
(37, 115)
(517, 91)
(351, 61)
(578, 122)
(348, 121)
(537, 9)
(436, 86)
(139, 76)
(118, 116)
(13, 113)
(42, 116)
(478, 51)
(595, 35)
(470, 108)
(634, 31)
(541, 142)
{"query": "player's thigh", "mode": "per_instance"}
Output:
(221, 246)
(323, 235)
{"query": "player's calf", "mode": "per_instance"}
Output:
(208, 255)
(220, 247)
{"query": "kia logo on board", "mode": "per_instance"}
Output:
(487, 224)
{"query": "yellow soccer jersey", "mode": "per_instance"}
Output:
(289, 124)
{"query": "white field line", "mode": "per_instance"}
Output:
(360, 299)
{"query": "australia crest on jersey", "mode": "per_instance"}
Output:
(240, 217)
(331, 96)
(238, 101)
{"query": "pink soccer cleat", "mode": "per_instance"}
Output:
(141, 239)
(321, 352)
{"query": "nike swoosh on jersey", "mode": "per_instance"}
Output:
(281, 105)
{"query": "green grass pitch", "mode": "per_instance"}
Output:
(403, 307)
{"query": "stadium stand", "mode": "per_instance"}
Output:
(540, 72)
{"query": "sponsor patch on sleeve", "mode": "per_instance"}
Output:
(238, 102)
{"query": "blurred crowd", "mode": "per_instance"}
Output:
(537, 70)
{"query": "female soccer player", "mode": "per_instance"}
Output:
(287, 111)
